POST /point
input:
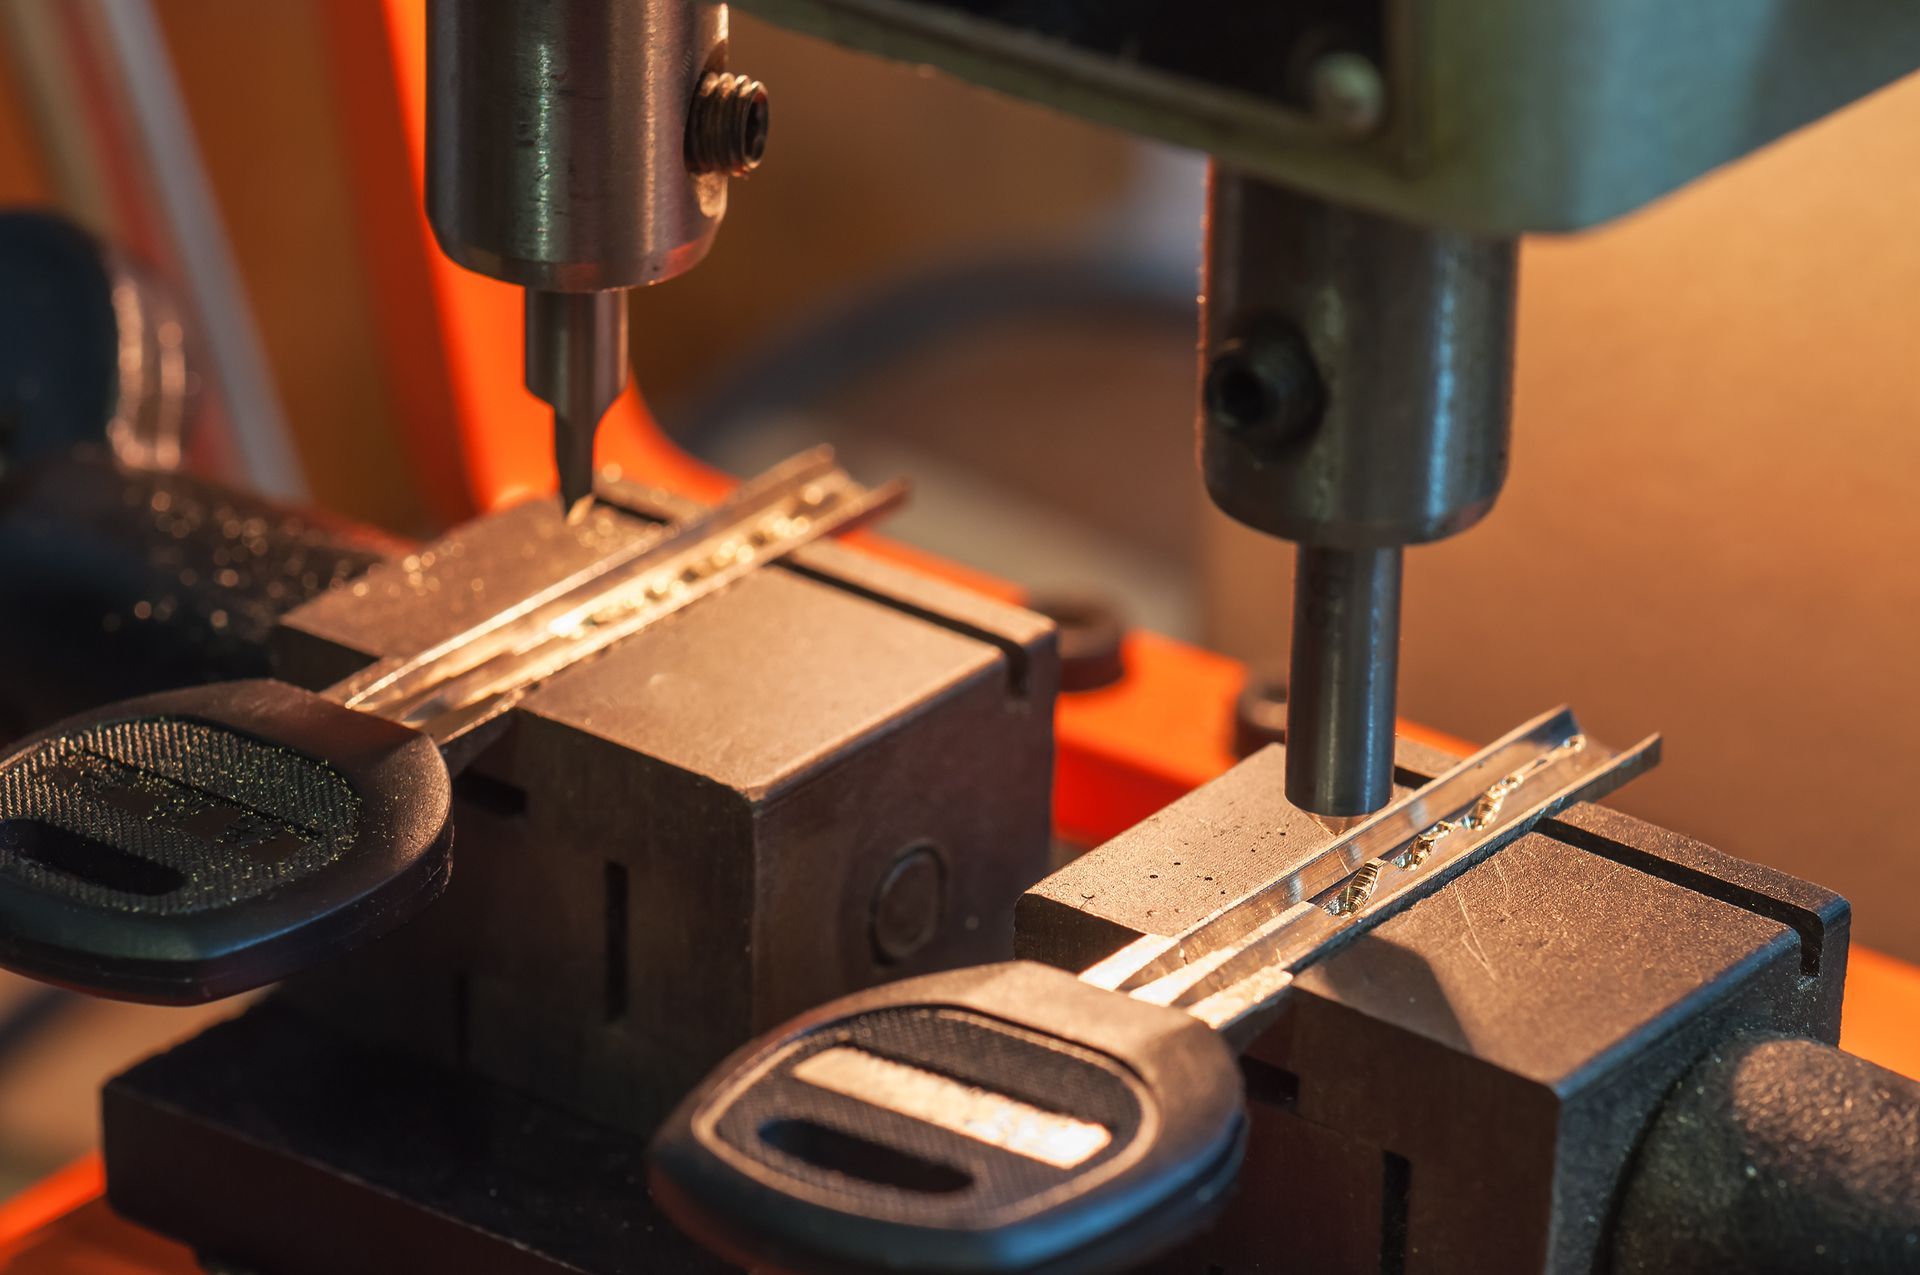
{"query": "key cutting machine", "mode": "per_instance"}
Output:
(568, 833)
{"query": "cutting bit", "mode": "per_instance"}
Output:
(576, 363)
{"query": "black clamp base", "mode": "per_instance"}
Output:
(272, 1143)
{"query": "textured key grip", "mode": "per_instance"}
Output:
(194, 844)
(1006, 1118)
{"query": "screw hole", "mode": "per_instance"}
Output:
(753, 130)
(1237, 396)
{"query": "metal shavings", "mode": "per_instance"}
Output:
(1483, 813)
(1359, 888)
(675, 580)
(1421, 846)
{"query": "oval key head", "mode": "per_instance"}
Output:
(1002, 1118)
(190, 845)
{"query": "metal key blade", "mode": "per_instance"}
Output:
(459, 685)
(1153, 957)
(692, 572)
(1232, 966)
(386, 687)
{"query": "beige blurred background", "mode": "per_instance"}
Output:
(1714, 514)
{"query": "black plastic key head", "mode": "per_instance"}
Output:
(194, 844)
(1003, 1118)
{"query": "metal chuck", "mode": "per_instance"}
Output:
(1355, 401)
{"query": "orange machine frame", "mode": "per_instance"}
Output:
(478, 440)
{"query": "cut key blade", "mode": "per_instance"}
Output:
(1244, 955)
(458, 686)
